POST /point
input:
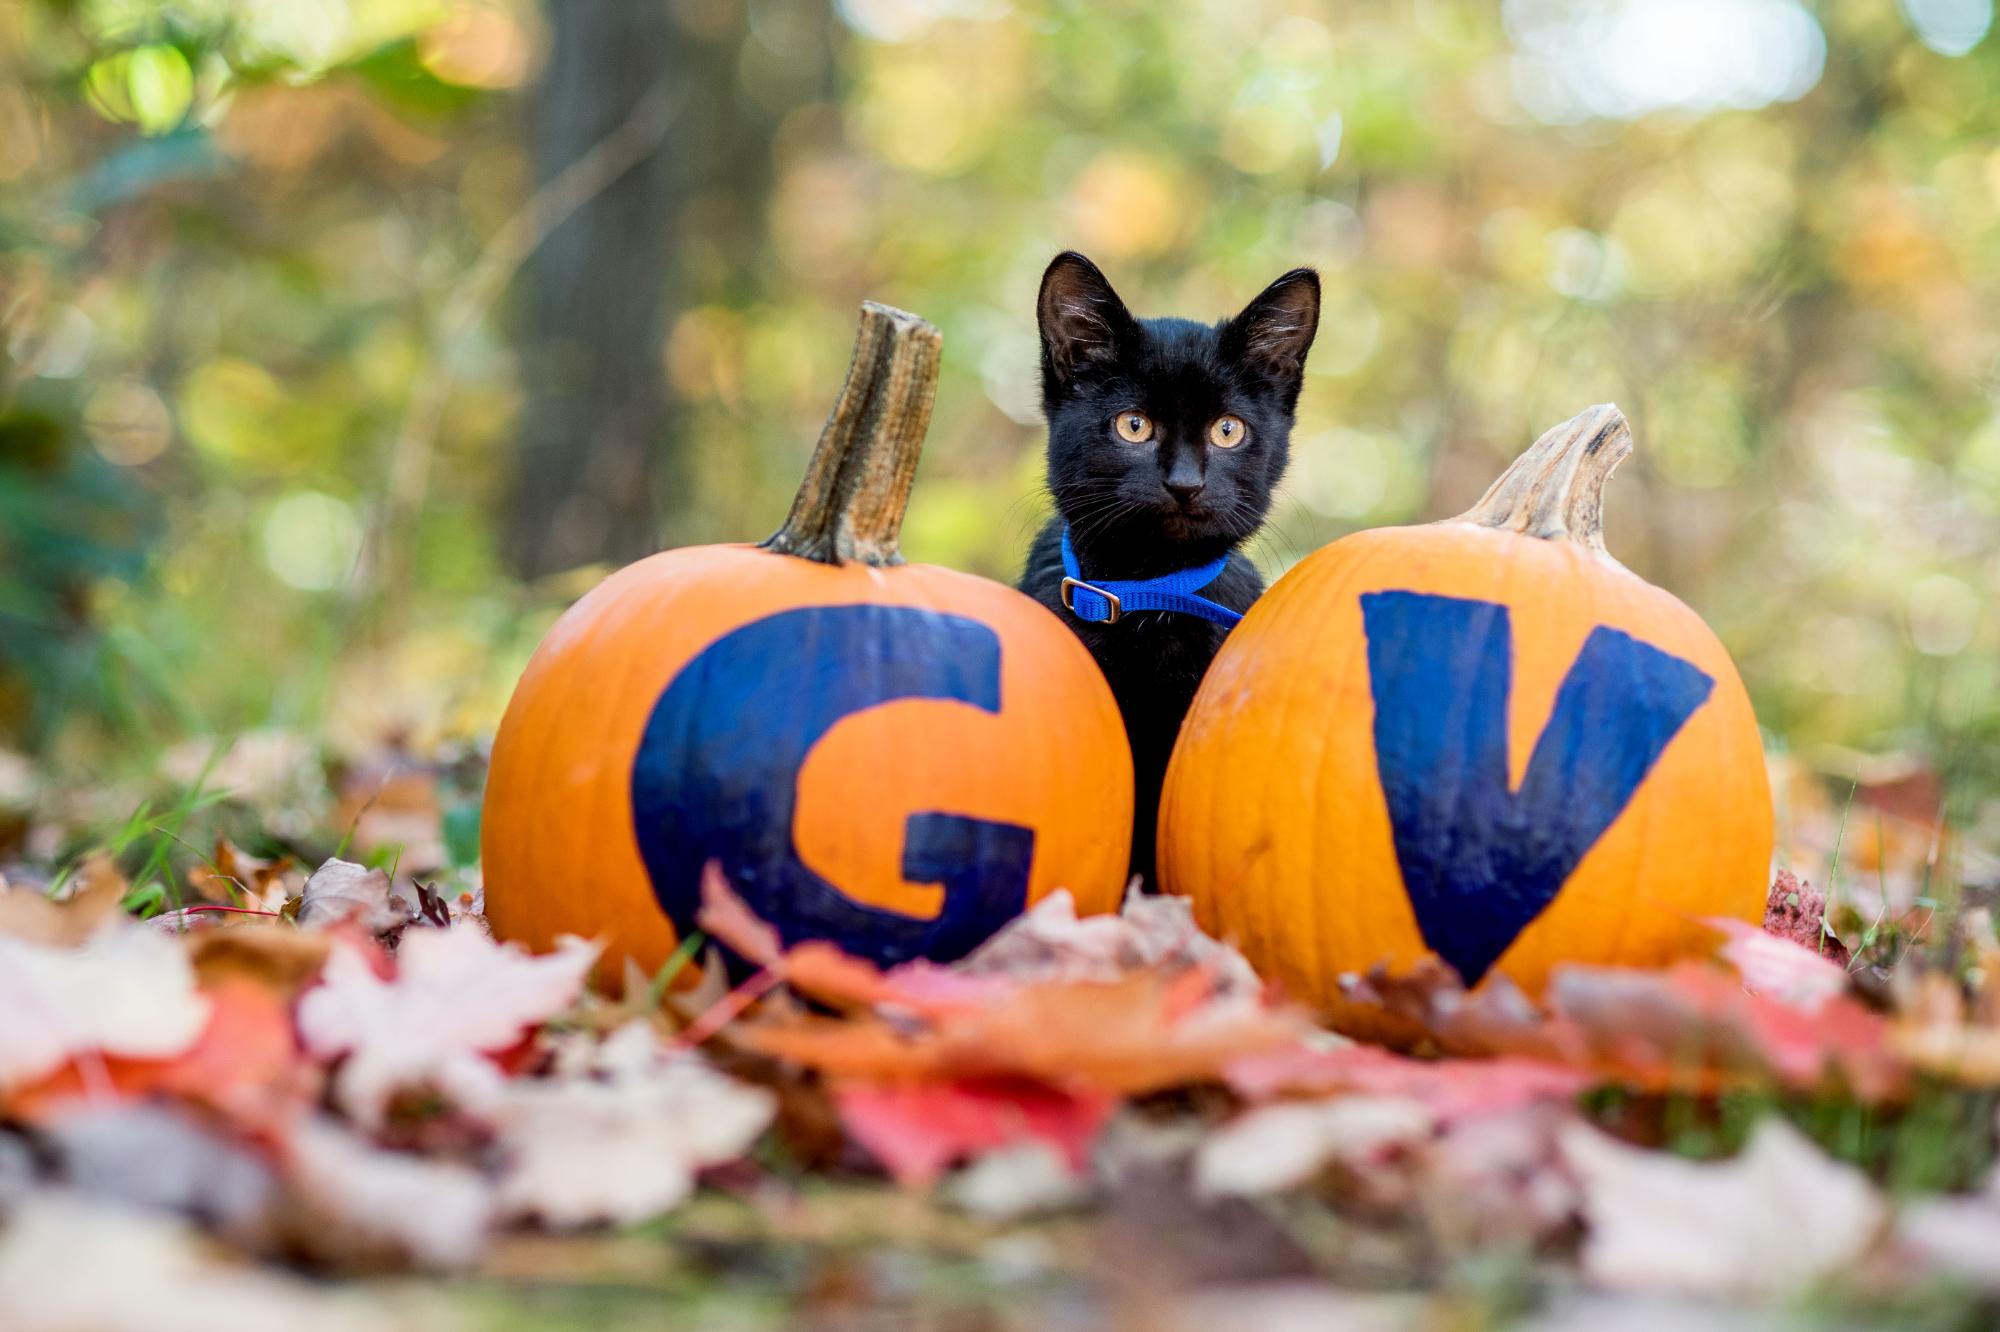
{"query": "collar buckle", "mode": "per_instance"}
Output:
(1069, 588)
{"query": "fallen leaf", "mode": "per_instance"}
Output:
(395, 807)
(245, 1065)
(95, 893)
(918, 1131)
(1159, 1239)
(1010, 1183)
(128, 991)
(354, 1204)
(1496, 1180)
(1051, 942)
(1276, 1147)
(585, 1151)
(1292, 1306)
(342, 892)
(1960, 1053)
(1796, 911)
(1785, 970)
(1957, 1238)
(1690, 1028)
(729, 920)
(456, 998)
(278, 955)
(821, 969)
(68, 1264)
(1771, 1222)
(230, 875)
(1949, 1028)
(1167, 1024)
(1150, 1030)
(1451, 1088)
(1695, 1025)
(156, 1157)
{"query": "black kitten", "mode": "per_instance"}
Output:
(1166, 439)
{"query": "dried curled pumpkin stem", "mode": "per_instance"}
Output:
(850, 505)
(1556, 489)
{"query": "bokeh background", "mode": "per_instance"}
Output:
(342, 344)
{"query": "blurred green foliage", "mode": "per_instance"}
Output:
(1769, 230)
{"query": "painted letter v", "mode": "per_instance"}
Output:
(1480, 861)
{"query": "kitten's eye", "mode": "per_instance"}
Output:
(1226, 432)
(1134, 427)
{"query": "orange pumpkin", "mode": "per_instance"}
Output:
(896, 757)
(1482, 738)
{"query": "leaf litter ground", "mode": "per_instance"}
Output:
(236, 1093)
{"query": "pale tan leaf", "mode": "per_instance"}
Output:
(1277, 1147)
(126, 992)
(360, 1203)
(587, 1151)
(1770, 1222)
(456, 997)
(67, 1265)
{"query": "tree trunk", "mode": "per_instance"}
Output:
(594, 453)
(602, 466)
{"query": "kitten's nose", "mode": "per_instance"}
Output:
(1184, 478)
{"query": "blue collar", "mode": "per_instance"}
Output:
(1106, 600)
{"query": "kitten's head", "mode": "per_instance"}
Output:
(1165, 430)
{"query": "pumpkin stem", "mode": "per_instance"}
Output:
(850, 505)
(1556, 489)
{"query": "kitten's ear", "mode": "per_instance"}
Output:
(1275, 331)
(1082, 320)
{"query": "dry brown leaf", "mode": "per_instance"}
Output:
(1051, 942)
(1948, 1029)
(232, 877)
(1690, 1028)
(1152, 1029)
(273, 953)
(92, 904)
(1169, 1024)
(341, 892)
(394, 808)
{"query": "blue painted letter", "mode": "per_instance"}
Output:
(717, 776)
(1480, 861)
